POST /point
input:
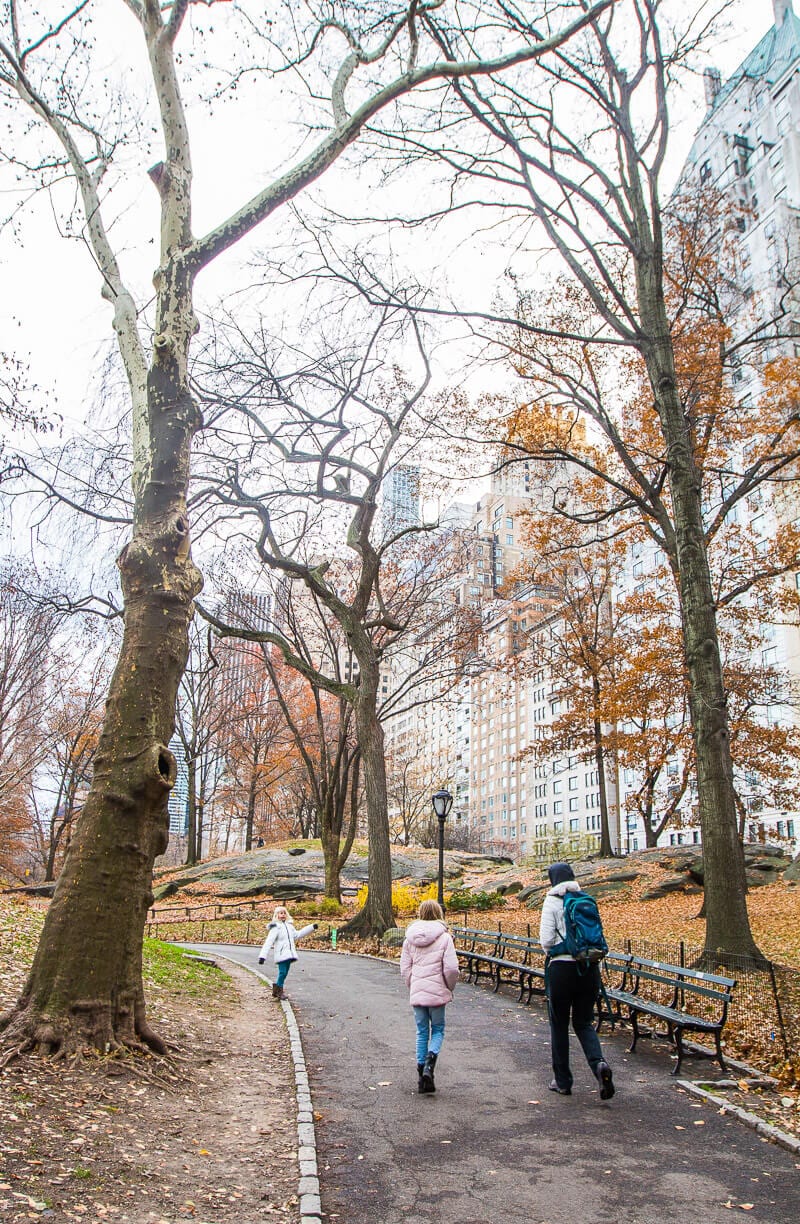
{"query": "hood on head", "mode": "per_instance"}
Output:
(559, 873)
(422, 933)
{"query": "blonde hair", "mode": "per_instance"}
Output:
(278, 909)
(430, 910)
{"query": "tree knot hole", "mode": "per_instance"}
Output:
(167, 767)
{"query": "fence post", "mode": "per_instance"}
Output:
(778, 1011)
(247, 932)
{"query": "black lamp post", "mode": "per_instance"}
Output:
(442, 802)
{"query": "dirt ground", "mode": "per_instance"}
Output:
(206, 1136)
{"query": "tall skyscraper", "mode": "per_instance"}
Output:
(400, 507)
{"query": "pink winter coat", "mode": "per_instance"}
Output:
(428, 964)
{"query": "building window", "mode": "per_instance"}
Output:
(558, 807)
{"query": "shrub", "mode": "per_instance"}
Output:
(405, 899)
(329, 907)
(464, 899)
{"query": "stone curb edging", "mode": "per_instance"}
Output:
(765, 1129)
(308, 1188)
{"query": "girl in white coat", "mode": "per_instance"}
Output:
(282, 939)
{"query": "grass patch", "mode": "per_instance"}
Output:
(169, 968)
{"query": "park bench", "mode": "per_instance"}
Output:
(494, 954)
(684, 1000)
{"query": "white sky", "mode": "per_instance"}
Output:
(50, 308)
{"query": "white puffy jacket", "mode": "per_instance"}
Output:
(552, 928)
(281, 939)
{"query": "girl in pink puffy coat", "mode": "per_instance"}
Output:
(429, 967)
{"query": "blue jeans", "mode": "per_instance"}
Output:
(283, 968)
(430, 1030)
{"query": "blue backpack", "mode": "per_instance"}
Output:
(584, 939)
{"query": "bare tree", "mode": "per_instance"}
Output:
(71, 727)
(201, 716)
(578, 169)
(29, 663)
(320, 724)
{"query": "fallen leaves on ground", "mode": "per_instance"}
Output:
(206, 1134)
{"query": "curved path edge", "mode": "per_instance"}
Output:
(766, 1129)
(308, 1187)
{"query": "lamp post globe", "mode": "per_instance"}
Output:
(442, 803)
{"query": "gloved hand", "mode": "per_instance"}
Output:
(261, 960)
(314, 924)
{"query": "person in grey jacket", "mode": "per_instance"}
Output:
(282, 940)
(571, 990)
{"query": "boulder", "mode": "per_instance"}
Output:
(671, 884)
(767, 850)
(299, 871)
(167, 890)
(610, 888)
(792, 873)
(532, 895)
(35, 890)
(295, 891)
(681, 858)
(393, 938)
(508, 888)
(757, 877)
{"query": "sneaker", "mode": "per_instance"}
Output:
(606, 1080)
(553, 1086)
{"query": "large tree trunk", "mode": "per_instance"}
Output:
(377, 915)
(85, 985)
(727, 923)
(330, 852)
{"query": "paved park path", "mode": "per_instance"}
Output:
(493, 1144)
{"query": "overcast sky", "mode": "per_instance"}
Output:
(50, 308)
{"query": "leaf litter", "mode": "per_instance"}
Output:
(205, 1135)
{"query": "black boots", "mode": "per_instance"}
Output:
(426, 1083)
(605, 1079)
(420, 1081)
(277, 991)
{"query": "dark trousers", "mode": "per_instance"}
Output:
(571, 993)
